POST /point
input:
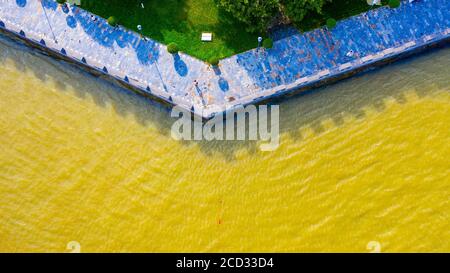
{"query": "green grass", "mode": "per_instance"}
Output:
(181, 22)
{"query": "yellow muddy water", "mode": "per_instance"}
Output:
(364, 160)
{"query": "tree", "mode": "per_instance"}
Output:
(256, 14)
(172, 48)
(331, 23)
(268, 43)
(297, 9)
(112, 21)
(394, 3)
(214, 61)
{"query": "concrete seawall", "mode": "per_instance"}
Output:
(297, 62)
(84, 66)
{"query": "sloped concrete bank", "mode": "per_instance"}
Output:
(42, 49)
(298, 62)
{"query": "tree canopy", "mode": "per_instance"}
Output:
(258, 14)
(296, 10)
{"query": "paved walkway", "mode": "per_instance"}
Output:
(295, 61)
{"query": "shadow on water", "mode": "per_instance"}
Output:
(67, 76)
(420, 74)
(352, 97)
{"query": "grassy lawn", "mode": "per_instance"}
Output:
(182, 22)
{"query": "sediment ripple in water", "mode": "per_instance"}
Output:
(363, 160)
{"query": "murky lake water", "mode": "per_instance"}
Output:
(363, 160)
